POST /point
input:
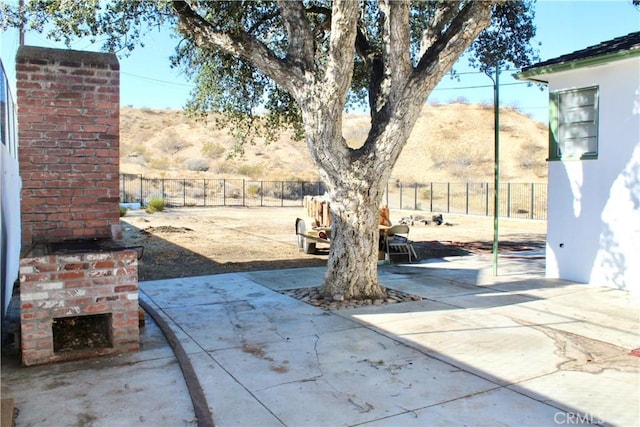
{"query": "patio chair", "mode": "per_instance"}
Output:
(397, 241)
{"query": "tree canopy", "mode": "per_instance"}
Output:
(228, 82)
(270, 65)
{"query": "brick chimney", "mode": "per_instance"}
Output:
(68, 128)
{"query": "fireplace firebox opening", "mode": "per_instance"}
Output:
(82, 333)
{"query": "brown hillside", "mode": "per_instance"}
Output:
(451, 142)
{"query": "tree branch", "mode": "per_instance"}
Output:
(240, 44)
(390, 74)
(444, 14)
(437, 60)
(301, 43)
(397, 50)
(463, 29)
(339, 71)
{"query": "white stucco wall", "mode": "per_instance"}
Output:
(593, 231)
(10, 183)
(9, 43)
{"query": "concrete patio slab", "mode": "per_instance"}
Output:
(497, 407)
(491, 346)
(370, 377)
(288, 278)
(189, 345)
(602, 396)
(454, 271)
(423, 284)
(190, 291)
(511, 350)
(265, 317)
(529, 285)
(616, 327)
(138, 389)
(229, 401)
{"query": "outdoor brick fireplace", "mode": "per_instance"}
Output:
(57, 288)
(78, 287)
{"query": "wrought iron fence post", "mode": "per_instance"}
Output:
(204, 192)
(533, 201)
(415, 196)
(224, 192)
(508, 200)
(281, 193)
(301, 192)
(486, 199)
(261, 193)
(466, 208)
(431, 196)
(141, 199)
(244, 192)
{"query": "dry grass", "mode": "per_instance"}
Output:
(451, 142)
(202, 241)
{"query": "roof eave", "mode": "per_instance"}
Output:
(532, 74)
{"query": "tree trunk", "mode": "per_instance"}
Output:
(354, 178)
(352, 267)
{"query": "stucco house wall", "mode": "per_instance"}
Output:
(10, 186)
(593, 210)
(593, 233)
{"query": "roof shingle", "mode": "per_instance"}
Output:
(620, 44)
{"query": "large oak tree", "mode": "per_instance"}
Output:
(303, 63)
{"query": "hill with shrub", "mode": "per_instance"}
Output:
(450, 143)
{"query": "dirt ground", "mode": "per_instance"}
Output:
(201, 241)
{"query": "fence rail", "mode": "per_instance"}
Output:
(516, 200)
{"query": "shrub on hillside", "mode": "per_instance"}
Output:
(172, 142)
(252, 171)
(486, 105)
(155, 204)
(135, 154)
(253, 190)
(507, 128)
(462, 162)
(459, 100)
(224, 167)
(212, 150)
(162, 163)
(515, 105)
(532, 157)
(198, 165)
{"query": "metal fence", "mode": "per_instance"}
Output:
(517, 200)
(216, 192)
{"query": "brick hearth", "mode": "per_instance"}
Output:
(62, 286)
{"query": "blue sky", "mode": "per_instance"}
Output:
(147, 81)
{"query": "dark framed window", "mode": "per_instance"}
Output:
(573, 124)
